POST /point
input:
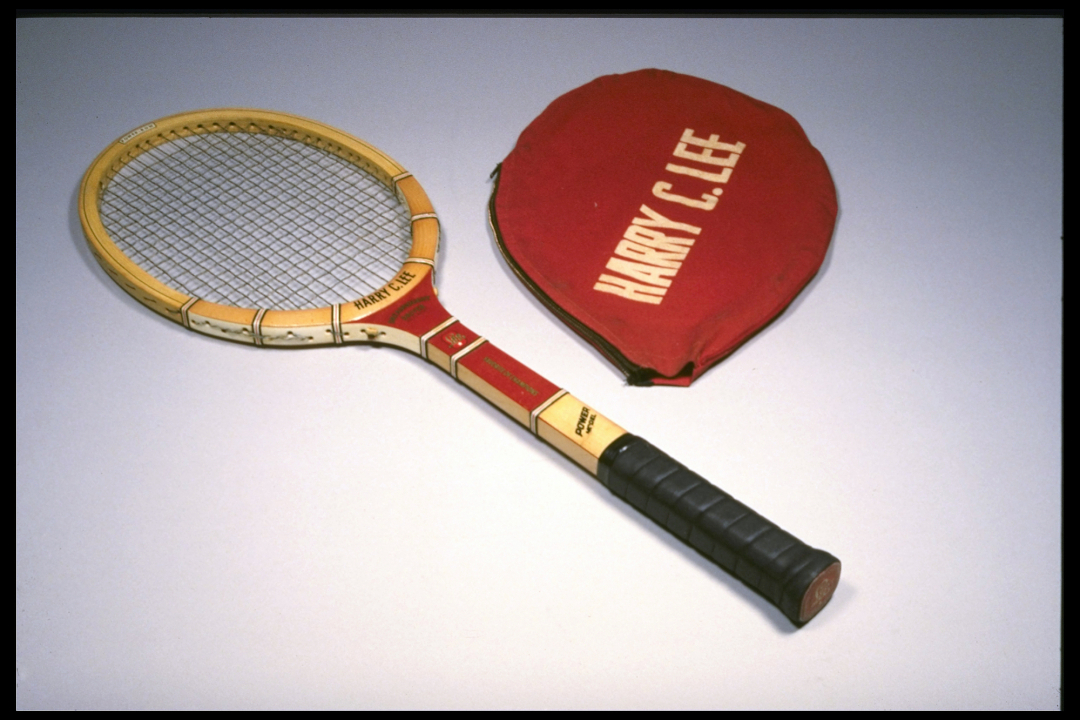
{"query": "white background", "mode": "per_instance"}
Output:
(207, 525)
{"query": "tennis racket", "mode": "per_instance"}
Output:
(277, 231)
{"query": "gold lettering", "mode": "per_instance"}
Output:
(641, 253)
(655, 219)
(642, 272)
(658, 240)
(706, 156)
(720, 177)
(630, 290)
(661, 190)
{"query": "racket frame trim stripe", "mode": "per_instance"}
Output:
(426, 338)
(456, 357)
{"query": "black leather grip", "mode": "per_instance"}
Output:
(795, 577)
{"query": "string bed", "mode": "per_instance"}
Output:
(256, 221)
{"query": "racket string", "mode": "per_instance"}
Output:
(256, 221)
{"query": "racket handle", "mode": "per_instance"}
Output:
(795, 577)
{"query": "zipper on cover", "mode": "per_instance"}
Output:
(635, 374)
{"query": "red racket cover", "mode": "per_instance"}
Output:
(663, 217)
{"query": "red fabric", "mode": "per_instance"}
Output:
(568, 211)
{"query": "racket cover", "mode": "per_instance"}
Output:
(664, 218)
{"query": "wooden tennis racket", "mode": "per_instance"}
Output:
(277, 231)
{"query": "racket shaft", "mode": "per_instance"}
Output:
(795, 577)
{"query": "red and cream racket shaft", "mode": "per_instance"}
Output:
(541, 406)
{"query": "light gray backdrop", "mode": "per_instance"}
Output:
(201, 524)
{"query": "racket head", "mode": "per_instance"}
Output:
(258, 227)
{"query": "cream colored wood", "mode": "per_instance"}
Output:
(534, 416)
(297, 328)
(222, 321)
(578, 431)
(457, 357)
(384, 334)
(438, 357)
(151, 293)
(412, 194)
(432, 333)
(425, 239)
(285, 320)
(140, 285)
(425, 225)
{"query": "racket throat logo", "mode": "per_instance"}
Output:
(650, 253)
(409, 309)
